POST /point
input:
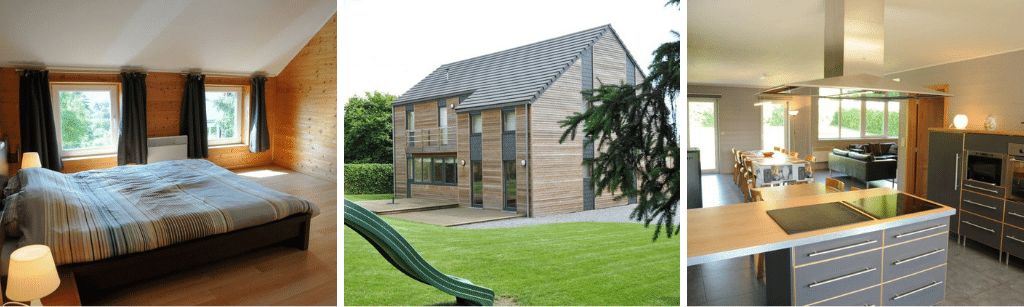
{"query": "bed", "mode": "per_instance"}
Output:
(121, 225)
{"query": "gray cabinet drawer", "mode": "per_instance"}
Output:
(915, 231)
(1014, 214)
(835, 248)
(983, 188)
(980, 229)
(990, 143)
(867, 297)
(915, 256)
(982, 205)
(1013, 241)
(923, 289)
(825, 280)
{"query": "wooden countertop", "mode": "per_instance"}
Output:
(996, 132)
(744, 229)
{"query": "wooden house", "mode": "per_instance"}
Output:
(483, 132)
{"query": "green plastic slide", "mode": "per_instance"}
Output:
(397, 250)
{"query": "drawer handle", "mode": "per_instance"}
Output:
(919, 231)
(975, 203)
(1015, 214)
(1015, 239)
(979, 188)
(865, 271)
(982, 228)
(920, 256)
(841, 248)
(917, 290)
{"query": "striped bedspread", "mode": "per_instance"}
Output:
(99, 214)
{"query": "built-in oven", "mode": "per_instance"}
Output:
(984, 169)
(1015, 172)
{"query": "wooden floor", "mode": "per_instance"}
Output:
(270, 276)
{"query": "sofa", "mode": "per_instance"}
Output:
(866, 162)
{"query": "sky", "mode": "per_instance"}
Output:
(389, 45)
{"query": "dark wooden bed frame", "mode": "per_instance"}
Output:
(96, 278)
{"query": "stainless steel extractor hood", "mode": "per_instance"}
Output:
(854, 54)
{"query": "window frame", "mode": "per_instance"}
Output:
(115, 115)
(504, 120)
(886, 125)
(424, 169)
(242, 117)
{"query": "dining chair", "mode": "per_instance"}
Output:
(810, 165)
(784, 151)
(799, 182)
(854, 188)
(744, 188)
(794, 155)
(755, 194)
(834, 184)
(735, 166)
(776, 148)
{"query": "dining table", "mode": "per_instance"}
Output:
(776, 168)
(774, 193)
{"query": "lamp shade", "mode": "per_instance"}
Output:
(960, 121)
(32, 273)
(30, 159)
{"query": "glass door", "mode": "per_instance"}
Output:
(702, 132)
(773, 126)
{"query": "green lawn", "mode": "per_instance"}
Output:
(555, 264)
(365, 197)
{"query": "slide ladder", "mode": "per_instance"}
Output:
(400, 254)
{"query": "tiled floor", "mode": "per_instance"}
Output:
(974, 276)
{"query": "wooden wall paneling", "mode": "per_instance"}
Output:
(399, 143)
(163, 106)
(304, 134)
(426, 123)
(556, 175)
(465, 179)
(436, 192)
(609, 68)
(522, 153)
(491, 138)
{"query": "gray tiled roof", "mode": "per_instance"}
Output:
(514, 76)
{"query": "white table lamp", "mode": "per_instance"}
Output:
(960, 121)
(32, 274)
(30, 159)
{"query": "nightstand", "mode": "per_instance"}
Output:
(66, 294)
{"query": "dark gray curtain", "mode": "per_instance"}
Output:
(193, 116)
(132, 145)
(38, 131)
(259, 136)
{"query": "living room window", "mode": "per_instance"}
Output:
(857, 119)
(224, 121)
(86, 116)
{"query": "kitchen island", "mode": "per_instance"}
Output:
(897, 260)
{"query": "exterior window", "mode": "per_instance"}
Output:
(442, 123)
(410, 120)
(87, 117)
(510, 185)
(858, 119)
(509, 120)
(476, 122)
(433, 170)
(224, 114)
(478, 183)
(437, 166)
(588, 169)
(450, 175)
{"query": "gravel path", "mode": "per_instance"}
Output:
(615, 214)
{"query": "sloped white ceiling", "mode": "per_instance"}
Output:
(736, 42)
(230, 36)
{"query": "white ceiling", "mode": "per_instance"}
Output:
(233, 36)
(735, 42)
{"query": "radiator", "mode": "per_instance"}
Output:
(821, 154)
(167, 148)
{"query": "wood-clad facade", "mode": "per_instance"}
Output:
(549, 176)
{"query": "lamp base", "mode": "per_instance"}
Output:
(36, 302)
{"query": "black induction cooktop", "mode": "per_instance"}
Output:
(820, 216)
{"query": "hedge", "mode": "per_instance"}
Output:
(369, 178)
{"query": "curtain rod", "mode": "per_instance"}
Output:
(114, 72)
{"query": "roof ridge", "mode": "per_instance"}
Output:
(530, 44)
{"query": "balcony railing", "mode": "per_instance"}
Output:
(441, 139)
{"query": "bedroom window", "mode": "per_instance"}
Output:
(224, 109)
(86, 116)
